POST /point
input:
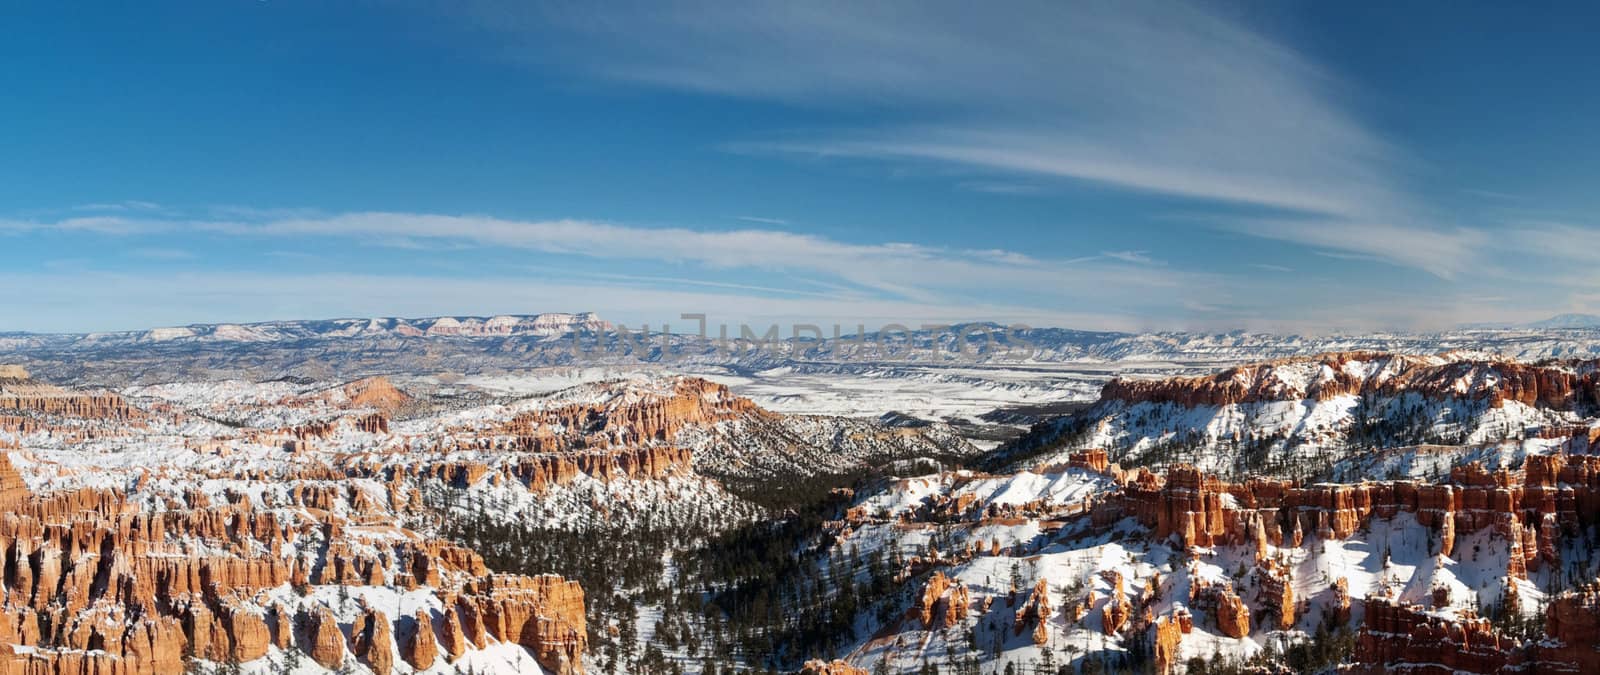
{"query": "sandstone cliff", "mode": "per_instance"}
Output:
(1373, 374)
(95, 582)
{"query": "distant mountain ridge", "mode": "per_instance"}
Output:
(1570, 320)
(1567, 321)
(345, 349)
(545, 324)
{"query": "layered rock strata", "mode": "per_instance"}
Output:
(96, 582)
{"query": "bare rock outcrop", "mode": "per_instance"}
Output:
(1227, 609)
(1325, 376)
(1277, 593)
(246, 632)
(943, 603)
(1166, 635)
(452, 636)
(543, 614)
(1555, 496)
(1034, 613)
(1396, 636)
(327, 643)
(835, 667)
(1572, 624)
(372, 641)
(624, 421)
(420, 648)
(13, 490)
(96, 582)
(1114, 615)
(49, 400)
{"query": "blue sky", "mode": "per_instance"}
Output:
(1122, 165)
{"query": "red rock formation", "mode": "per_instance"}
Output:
(376, 392)
(420, 649)
(375, 423)
(52, 401)
(472, 625)
(453, 637)
(327, 643)
(1116, 611)
(835, 667)
(1080, 608)
(1035, 612)
(246, 632)
(13, 490)
(943, 603)
(629, 420)
(1094, 460)
(281, 621)
(1166, 634)
(540, 471)
(1555, 387)
(1251, 383)
(1403, 637)
(544, 614)
(1398, 637)
(1572, 623)
(1341, 601)
(1277, 592)
(372, 641)
(1233, 617)
(93, 581)
(1557, 496)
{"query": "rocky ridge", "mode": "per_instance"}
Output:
(1183, 564)
(348, 349)
(237, 522)
(1295, 417)
(94, 582)
(1565, 386)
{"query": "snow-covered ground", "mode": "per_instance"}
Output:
(930, 392)
(1395, 557)
(926, 392)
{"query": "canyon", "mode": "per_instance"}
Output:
(278, 524)
(1476, 556)
(160, 565)
(1331, 415)
(1437, 513)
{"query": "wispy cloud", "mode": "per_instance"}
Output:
(1493, 194)
(155, 253)
(762, 220)
(897, 271)
(75, 296)
(1260, 147)
(1001, 188)
(1172, 99)
(130, 205)
(1560, 240)
(745, 274)
(1136, 257)
(687, 281)
(297, 256)
(1340, 255)
(104, 224)
(1446, 253)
